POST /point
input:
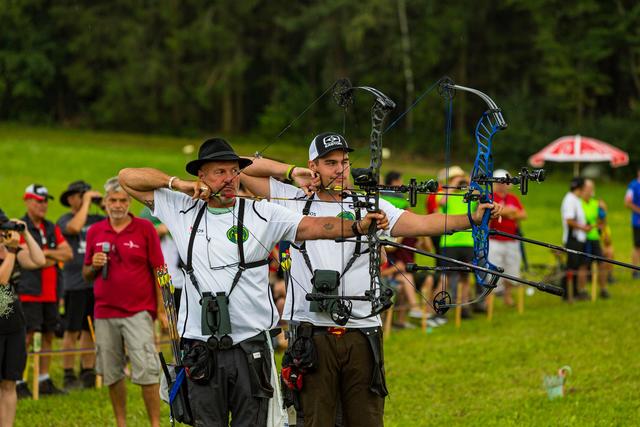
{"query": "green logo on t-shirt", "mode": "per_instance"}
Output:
(232, 234)
(346, 215)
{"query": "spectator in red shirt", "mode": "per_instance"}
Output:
(121, 255)
(503, 251)
(39, 289)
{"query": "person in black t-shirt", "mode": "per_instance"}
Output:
(78, 294)
(13, 350)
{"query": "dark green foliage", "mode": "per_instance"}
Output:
(237, 66)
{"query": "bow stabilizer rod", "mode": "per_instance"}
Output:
(563, 249)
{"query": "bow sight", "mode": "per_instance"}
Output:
(522, 179)
(363, 178)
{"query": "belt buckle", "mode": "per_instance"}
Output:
(337, 331)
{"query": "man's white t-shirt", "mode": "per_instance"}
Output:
(215, 259)
(328, 255)
(572, 209)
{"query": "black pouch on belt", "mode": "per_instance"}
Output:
(378, 383)
(198, 362)
(259, 363)
(303, 350)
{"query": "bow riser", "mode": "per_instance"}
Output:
(486, 129)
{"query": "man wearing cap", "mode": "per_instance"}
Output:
(350, 366)
(505, 251)
(225, 242)
(39, 289)
(78, 294)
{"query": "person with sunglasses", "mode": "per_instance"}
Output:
(39, 289)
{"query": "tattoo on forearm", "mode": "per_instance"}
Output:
(328, 226)
(149, 203)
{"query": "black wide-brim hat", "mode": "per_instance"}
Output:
(215, 150)
(73, 188)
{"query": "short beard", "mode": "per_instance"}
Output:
(117, 215)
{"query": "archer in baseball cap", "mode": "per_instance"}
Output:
(325, 143)
(37, 192)
(215, 150)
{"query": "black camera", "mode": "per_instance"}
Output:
(11, 226)
(324, 282)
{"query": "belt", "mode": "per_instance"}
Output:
(333, 330)
(188, 342)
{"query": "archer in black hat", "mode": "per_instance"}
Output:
(215, 150)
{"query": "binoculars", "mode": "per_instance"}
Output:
(215, 320)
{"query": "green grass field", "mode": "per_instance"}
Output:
(482, 374)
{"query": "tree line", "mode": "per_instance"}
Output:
(184, 67)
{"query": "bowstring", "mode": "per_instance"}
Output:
(447, 165)
(397, 119)
(413, 285)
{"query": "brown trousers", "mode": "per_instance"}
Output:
(345, 364)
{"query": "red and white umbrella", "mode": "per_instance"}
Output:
(577, 148)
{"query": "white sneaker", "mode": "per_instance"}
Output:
(415, 314)
(441, 320)
(432, 323)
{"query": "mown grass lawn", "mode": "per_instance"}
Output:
(482, 374)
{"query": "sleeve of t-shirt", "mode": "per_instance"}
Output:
(283, 223)
(393, 215)
(517, 203)
(281, 190)
(59, 237)
(63, 221)
(628, 196)
(88, 255)
(568, 210)
(167, 204)
(154, 251)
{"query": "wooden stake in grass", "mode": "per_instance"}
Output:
(490, 301)
(594, 281)
(37, 337)
(521, 293)
(388, 323)
(93, 338)
(458, 304)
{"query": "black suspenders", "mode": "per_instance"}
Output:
(242, 265)
(302, 248)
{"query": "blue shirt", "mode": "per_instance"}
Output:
(633, 190)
